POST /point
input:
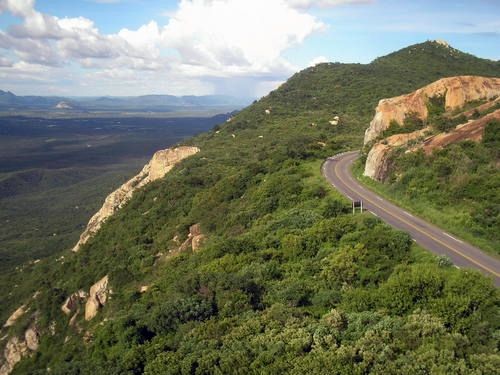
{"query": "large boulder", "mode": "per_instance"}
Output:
(98, 297)
(15, 316)
(194, 240)
(73, 301)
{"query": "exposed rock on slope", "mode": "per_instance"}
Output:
(471, 131)
(161, 163)
(195, 239)
(17, 348)
(377, 163)
(97, 297)
(72, 302)
(456, 90)
(15, 316)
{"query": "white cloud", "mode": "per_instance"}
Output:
(18, 8)
(304, 4)
(205, 41)
(318, 60)
(5, 62)
(232, 37)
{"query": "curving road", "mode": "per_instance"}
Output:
(337, 170)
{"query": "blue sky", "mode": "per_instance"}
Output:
(236, 47)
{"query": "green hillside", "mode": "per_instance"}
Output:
(288, 280)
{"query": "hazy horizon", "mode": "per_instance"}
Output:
(93, 48)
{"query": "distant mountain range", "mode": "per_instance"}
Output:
(154, 103)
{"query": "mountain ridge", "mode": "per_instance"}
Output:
(10, 101)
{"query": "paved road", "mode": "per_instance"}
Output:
(337, 170)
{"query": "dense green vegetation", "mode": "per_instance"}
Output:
(455, 187)
(288, 281)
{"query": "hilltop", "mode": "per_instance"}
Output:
(286, 279)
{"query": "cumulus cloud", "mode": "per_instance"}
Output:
(202, 40)
(318, 60)
(304, 4)
(232, 37)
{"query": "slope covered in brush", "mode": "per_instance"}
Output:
(287, 281)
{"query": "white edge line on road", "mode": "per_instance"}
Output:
(349, 197)
(374, 214)
(407, 213)
(453, 238)
(380, 199)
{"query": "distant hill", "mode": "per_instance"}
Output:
(153, 103)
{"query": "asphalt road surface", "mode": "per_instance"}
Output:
(337, 170)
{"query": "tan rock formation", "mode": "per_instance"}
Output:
(161, 163)
(32, 338)
(471, 131)
(14, 351)
(17, 348)
(73, 301)
(98, 296)
(456, 90)
(15, 316)
(377, 162)
(195, 239)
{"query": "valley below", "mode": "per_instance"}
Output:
(55, 173)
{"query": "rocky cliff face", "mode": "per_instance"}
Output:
(377, 164)
(161, 163)
(456, 90)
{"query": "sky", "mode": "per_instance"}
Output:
(241, 48)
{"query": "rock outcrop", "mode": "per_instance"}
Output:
(377, 164)
(195, 239)
(17, 348)
(456, 91)
(161, 163)
(73, 302)
(471, 131)
(98, 296)
(15, 316)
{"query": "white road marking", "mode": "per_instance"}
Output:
(453, 238)
(407, 213)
